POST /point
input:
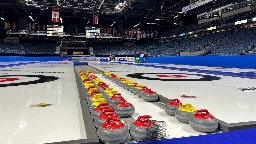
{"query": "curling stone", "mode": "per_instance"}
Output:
(113, 131)
(124, 109)
(96, 103)
(91, 87)
(113, 76)
(139, 128)
(172, 106)
(134, 88)
(104, 116)
(99, 109)
(96, 97)
(203, 121)
(141, 90)
(108, 96)
(184, 112)
(92, 90)
(149, 96)
(91, 95)
(115, 99)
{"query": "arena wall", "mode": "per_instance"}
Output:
(222, 61)
(30, 58)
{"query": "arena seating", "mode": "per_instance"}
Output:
(11, 48)
(235, 43)
(39, 48)
(225, 20)
(118, 49)
(27, 48)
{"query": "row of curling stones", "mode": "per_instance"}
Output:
(199, 120)
(143, 92)
(123, 109)
(110, 128)
(107, 135)
(113, 131)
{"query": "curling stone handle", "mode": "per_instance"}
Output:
(100, 100)
(103, 105)
(187, 105)
(143, 118)
(97, 96)
(108, 111)
(203, 111)
(111, 121)
(117, 96)
(175, 100)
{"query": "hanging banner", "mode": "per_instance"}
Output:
(8, 25)
(55, 15)
(95, 19)
(114, 31)
(38, 27)
(44, 27)
(134, 32)
(33, 27)
(14, 26)
(104, 30)
(138, 31)
(109, 30)
(126, 31)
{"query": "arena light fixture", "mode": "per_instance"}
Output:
(113, 23)
(2, 18)
(31, 18)
(136, 25)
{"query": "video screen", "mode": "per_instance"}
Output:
(92, 33)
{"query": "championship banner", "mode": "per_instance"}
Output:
(138, 31)
(38, 27)
(44, 27)
(130, 32)
(95, 19)
(7, 25)
(126, 31)
(104, 30)
(33, 27)
(109, 30)
(114, 31)
(134, 32)
(55, 15)
(14, 26)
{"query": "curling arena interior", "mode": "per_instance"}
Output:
(124, 72)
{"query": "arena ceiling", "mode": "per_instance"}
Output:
(149, 13)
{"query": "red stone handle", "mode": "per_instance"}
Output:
(143, 118)
(117, 96)
(103, 105)
(108, 111)
(203, 112)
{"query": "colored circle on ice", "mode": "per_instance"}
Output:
(18, 80)
(173, 76)
(8, 79)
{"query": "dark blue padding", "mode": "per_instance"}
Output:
(234, 137)
(213, 61)
(29, 58)
(77, 63)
